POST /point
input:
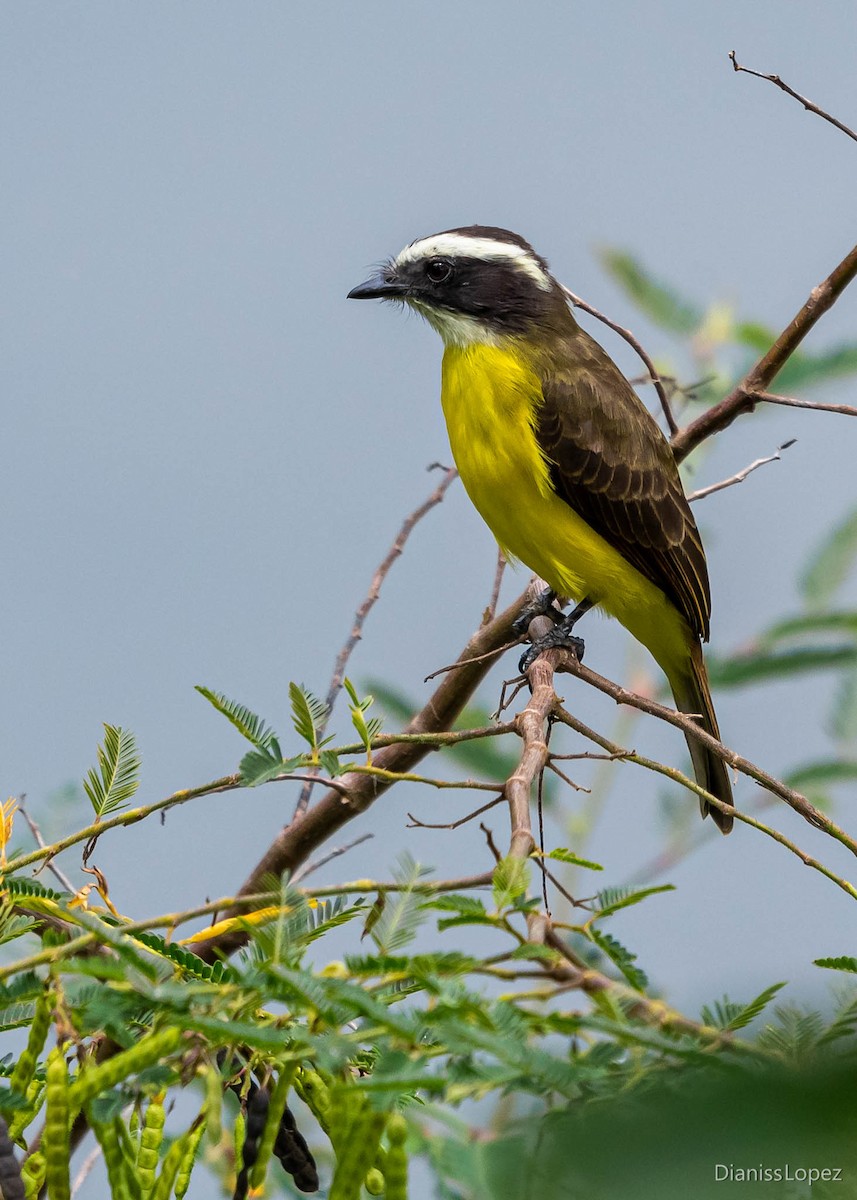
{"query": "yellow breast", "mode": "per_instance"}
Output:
(490, 397)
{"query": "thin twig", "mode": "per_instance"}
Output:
(632, 341)
(298, 840)
(783, 86)
(314, 864)
(405, 530)
(415, 823)
(687, 724)
(41, 843)
(85, 1169)
(741, 475)
(575, 787)
(456, 666)
(845, 410)
(559, 887)
(491, 610)
(679, 777)
(489, 838)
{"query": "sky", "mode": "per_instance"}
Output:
(207, 450)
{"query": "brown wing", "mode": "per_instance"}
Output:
(610, 462)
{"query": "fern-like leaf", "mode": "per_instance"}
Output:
(249, 724)
(611, 900)
(308, 714)
(752, 1010)
(402, 912)
(114, 782)
(622, 958)
(260, 766)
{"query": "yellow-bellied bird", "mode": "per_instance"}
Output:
(561, 457)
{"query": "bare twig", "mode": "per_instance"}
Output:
(741, 475)
(415, 823)
(744, 397)
(575, 787)
(459, 663)
(371, 597)
(491, 610)
(314, 864)
(845, 410)
(489, 838)
(783, 86)
(677, 776)
(793, 798)
(654, 377)
(40, 842)
(85, 1169)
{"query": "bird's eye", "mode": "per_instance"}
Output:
(438, 270)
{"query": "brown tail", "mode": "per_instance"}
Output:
(693, 696)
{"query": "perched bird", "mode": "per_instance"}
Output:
(560, 456)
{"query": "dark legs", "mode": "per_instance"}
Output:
(560, 637)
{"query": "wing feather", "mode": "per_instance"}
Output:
(610, 462)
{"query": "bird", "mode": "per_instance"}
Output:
(562, 459)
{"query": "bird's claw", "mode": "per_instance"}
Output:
(558, 638)
(542, 606)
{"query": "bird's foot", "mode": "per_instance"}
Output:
(558, 638)
(542, 606)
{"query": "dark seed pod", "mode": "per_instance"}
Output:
(11, 1183)
(257, 1113)
(294, 1154)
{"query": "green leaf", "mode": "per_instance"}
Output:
(803, 370)
(622, 958)
(249, 724)
(568, 856)
(752, 1010)
(761, 666)
(844, 963)
(830, 563)
(259, 766)
(660, 302)
(308, 713)
(483, 757)
(511, 880)
(821, 774)
(402, 912)
(611, 900)
(532, 950)
(453, 902)
(755, 335)
(117, 777)
(366, 730)
(808, 626)
(843, 717)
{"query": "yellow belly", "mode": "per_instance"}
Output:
(490, 396)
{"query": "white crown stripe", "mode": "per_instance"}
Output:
(456, 244)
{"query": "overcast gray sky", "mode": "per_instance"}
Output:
(207, 450)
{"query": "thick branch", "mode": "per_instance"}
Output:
(742, 399)
(305, 834)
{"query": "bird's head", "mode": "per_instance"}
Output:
(475, 284)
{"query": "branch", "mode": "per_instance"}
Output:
(677, 776)
(372, 595)
(845, 410)
(783, 86)
(743, 398)
(741, 475)
(306, 833)
(632, 341)
(795, 800)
